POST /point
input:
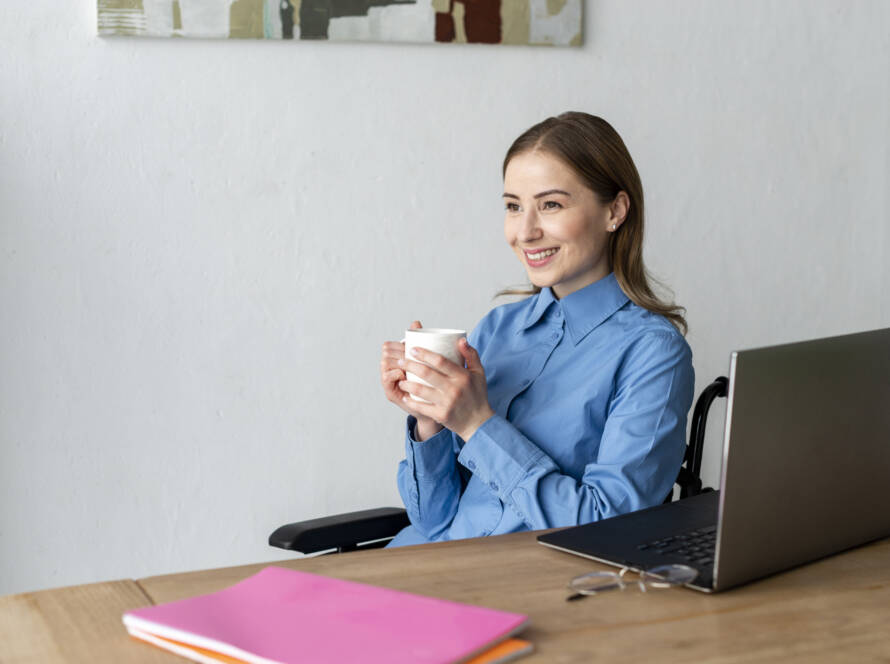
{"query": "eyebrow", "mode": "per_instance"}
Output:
(542, 194)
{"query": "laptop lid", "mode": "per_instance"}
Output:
(806, 454)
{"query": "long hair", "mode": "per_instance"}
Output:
(594, 150)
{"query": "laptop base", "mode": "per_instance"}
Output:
(626, 540)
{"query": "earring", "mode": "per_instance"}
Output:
(614, 226)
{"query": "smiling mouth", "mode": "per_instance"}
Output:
(540, 257)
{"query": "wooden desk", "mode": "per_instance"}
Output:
(835, 610)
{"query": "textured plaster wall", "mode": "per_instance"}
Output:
(203, 245)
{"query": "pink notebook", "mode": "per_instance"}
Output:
(283, 616)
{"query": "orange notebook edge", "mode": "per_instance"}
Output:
(471, 658)
(193, 652)
(505, 651)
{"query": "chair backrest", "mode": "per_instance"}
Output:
(689, 477)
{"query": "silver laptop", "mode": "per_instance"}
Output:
(806, 470)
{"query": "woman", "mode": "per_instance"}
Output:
(572, 405)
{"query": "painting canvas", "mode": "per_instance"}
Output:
(544, 22)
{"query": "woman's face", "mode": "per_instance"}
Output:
(556, 224)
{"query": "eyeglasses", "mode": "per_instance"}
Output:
(663, 576)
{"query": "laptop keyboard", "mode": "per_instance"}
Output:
(695, 547)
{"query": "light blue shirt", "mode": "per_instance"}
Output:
(590, 395)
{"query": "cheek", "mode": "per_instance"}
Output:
(567, 230)
(509, 232)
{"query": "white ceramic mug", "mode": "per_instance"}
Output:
(438, 340)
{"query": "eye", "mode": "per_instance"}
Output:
(512, 207)
(551, 205)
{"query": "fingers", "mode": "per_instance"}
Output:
(399, 346)
(391, 389)
(434, 360)
(389, 363)
(429, 374)
(392, 352)
(417, 408)
(393, 375)
(390, 380)
(470, 355)
(417, 389)
(393, 348)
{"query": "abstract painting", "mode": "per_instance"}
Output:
(544, 22)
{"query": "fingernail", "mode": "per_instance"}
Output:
(415, 352)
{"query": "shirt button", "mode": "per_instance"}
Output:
(554, 336)
(494, 487)
(471, 464)
(559, 313)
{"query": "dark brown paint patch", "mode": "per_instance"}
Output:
(481, 18)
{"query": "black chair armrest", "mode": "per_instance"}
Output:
(344, 532)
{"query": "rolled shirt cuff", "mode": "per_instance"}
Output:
(432, 457)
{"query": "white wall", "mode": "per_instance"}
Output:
(204, 244)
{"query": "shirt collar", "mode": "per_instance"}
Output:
(543, 300)
(584, 310)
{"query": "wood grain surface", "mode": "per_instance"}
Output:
(74, 624)
(834, 610)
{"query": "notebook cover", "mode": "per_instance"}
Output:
(282, 615)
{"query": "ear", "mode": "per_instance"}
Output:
(618, 210)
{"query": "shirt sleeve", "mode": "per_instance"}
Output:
(639, 454)
(429, 481)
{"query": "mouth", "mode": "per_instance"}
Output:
(540, 257)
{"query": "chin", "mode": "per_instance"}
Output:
(540, 283)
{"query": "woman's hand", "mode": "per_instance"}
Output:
(458, 396)
(391, 375)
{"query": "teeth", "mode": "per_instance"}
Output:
(542, 254)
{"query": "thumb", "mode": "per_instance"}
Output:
(470, 355)
(415, 325)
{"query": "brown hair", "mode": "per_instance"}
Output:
(595, 151)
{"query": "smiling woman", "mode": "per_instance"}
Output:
(587, 154)
(572, 405)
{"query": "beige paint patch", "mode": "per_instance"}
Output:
(460, 27)
(515, 19)
(555, 6)
(441, 6)
(121, 17)
(296, 4)
(120, 4)
(177, 16)
(577, 40)
(246, 19)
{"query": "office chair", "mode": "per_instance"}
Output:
(369, 529)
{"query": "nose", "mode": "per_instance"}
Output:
(530, 229)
